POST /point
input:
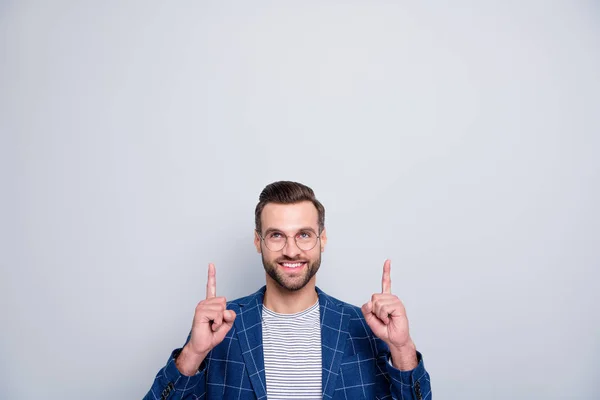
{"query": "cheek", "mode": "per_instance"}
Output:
(268, 258)
(315, 253)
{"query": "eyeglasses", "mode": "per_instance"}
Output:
(305, 240)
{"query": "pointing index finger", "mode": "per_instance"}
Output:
(211, 284)
(386, 280)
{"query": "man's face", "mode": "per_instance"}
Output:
(291, 267)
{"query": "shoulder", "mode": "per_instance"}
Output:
(339, 305)
(357, 320)
(249, 300)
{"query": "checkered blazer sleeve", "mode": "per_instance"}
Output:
(170, 384)
(402, 385)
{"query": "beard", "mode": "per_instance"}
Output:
(296, 283)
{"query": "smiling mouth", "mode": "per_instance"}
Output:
(292, 265)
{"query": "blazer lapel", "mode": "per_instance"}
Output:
(248, 326)
(334, 334)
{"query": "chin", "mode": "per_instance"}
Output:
(292, 286)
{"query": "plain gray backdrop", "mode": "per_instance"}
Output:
(460, 139)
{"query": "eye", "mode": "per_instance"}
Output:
(305, 235)
(274, 235)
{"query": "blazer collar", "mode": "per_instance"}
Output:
(334, 335)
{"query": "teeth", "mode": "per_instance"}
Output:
(295, 265)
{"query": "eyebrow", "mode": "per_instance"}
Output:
(308, 228)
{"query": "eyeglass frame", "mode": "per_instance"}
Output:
(286, 239)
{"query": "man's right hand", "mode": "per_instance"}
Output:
(211, 323)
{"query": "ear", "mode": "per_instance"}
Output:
(257, 242)
(323, 239)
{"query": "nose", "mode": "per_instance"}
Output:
(291, 249)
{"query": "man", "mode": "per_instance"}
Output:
(290, 340)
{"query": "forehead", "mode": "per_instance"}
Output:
(290, 216)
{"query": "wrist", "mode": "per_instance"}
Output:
(404, 357)
(188, 362)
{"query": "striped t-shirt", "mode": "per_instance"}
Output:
(292, 351)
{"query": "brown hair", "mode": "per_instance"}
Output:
(286, 192)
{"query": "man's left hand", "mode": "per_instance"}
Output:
(386, 316)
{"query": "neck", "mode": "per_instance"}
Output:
(286, 301)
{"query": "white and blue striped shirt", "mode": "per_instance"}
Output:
(292, 353)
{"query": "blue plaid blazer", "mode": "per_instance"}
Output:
(355, 362)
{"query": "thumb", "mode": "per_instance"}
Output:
(374, 323)
(229, 316)
(367, 308)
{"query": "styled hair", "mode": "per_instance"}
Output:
(286, 192)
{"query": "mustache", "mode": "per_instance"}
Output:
(290, 260)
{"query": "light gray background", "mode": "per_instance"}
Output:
(460, 140)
